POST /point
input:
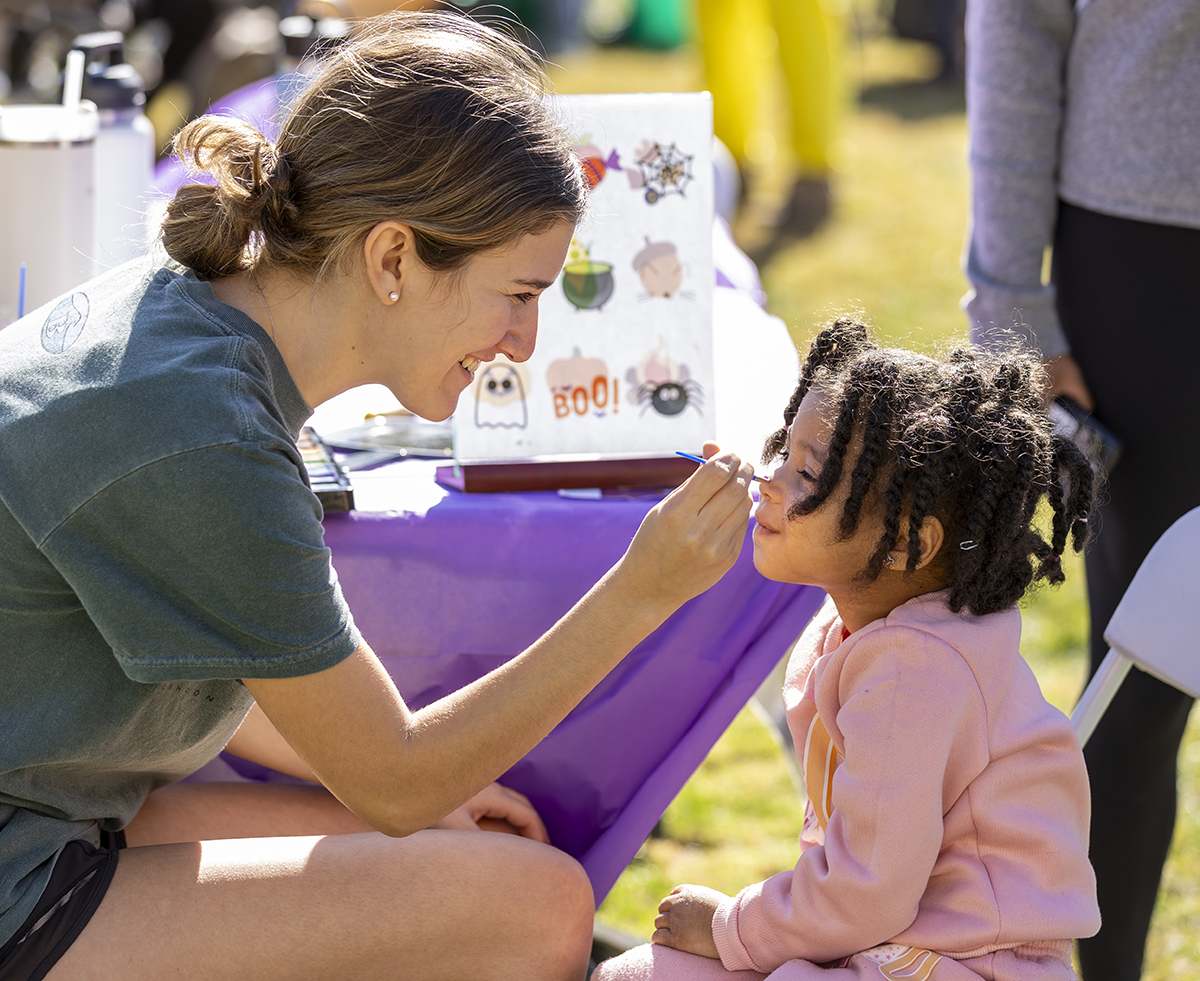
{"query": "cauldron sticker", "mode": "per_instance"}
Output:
(588, 285)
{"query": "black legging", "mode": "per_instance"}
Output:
(1128, 301)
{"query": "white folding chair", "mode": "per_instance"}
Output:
(1156, 625)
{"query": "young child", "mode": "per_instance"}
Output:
(946, 830)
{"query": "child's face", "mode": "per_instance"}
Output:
(806, 549)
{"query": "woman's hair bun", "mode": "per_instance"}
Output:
(208, 226)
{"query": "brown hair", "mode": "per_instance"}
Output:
(429, 118)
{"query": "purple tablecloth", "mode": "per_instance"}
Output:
(449, 594)
(446, 586)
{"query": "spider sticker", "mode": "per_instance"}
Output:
(663, 385)
(662, 169)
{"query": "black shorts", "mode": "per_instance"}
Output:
(78, 883)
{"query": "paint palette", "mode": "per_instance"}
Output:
(326, 477)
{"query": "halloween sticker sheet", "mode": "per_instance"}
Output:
(623, 364)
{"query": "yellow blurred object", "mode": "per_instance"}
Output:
(743, 42)
(170, 108)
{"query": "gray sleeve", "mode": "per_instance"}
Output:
(1016, 64)
(208, 564)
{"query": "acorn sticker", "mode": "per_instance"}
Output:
(659, 269)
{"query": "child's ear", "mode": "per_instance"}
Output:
(932, 535)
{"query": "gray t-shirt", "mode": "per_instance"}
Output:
(158, 541)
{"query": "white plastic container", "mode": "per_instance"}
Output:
(125, 150)
(47, 201)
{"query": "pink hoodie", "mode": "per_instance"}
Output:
(948, 801)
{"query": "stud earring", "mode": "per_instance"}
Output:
(393, 296)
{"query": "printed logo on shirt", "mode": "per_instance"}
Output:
(897, 962)
(821, 760)
(65, 323)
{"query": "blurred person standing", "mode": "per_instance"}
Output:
(738, 61)
(1085, 138)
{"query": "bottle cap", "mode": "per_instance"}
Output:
(108, 80)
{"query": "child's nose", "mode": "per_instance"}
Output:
(768, 488)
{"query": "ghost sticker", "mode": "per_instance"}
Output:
(659, 269)
(661, 170)
(500, 394)
(663, 385)
(65, 323)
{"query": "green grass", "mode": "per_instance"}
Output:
(890, 251)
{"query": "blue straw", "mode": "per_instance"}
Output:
(700, 459)
(21, 294)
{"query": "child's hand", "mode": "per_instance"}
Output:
(685, 918)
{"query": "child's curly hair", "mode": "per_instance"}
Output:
(964, 439)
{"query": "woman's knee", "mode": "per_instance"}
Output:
(554, 907)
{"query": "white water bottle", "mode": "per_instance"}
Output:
(124, 156)
(46, 202)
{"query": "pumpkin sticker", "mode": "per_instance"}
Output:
(500, 394)
(581, 386)
(663, 385)
(588, 285)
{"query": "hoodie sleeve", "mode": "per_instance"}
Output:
(1016, 65)
(901, 704)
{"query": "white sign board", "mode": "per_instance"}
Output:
(623, 366)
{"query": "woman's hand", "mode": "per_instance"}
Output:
(685, 918)
(1065, 377)
(493, 808)
(693, 537)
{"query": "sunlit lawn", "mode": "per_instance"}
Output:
(891, 251)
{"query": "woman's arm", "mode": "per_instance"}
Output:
(401, 770)
(495, 808)
(260, 742)
(1016, 66)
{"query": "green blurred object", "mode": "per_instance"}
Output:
(524, 18)
(661, 24)
(658, 24)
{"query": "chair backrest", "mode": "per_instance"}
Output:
(1157, 623)
(1156, 626)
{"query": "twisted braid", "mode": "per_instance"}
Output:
(831, 471)
(964, 439)
(893, 505)
(877, 416)
(837, 343)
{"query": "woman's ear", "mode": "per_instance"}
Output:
(390, 259)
